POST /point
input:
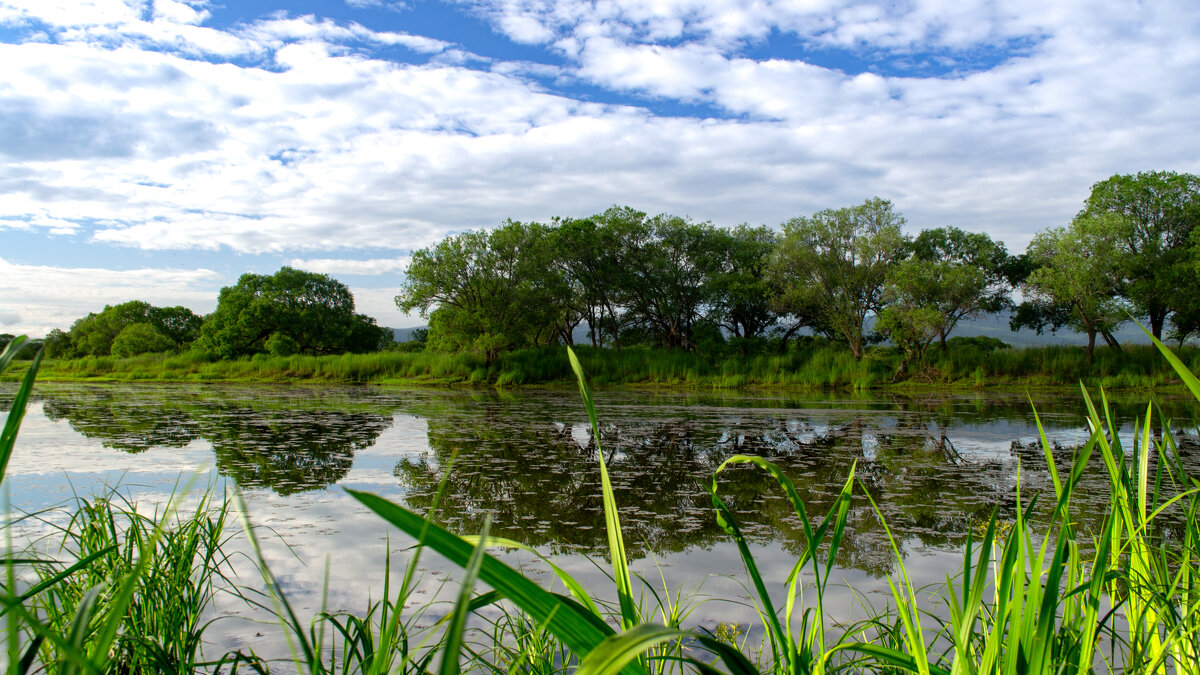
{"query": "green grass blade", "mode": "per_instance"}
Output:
(12, 424)
(891, 658)
(735, 662)
(572, 585)
(617, 651)
(578, 629)
(452, 644)
(1181, 369)
(616, 542)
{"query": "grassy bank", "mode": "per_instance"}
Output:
(814, 364)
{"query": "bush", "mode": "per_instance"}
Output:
(281, 345)
(140, 338)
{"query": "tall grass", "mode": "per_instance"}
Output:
(814, 364)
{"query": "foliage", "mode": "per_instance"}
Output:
(955, 273)
(1079, 268)
(312, 313)
(741, 288)
(1161, 210)
(487, 291)
(94, 334)
(832, 267)
(667, 263)
(140, 338)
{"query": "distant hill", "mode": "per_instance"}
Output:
(991, 325)
(404, 334)
(996, 326)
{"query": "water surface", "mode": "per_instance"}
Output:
(936, 465)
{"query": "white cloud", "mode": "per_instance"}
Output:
(42, 297)
(339, 266)
(326, 148)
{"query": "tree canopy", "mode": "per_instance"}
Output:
(291, 311)
(95, 334)
(834, 265)
(1161, 210)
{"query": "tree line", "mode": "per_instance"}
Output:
(626, 278)
(850, 274)
(289, 312)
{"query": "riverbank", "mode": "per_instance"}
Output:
(815, 365)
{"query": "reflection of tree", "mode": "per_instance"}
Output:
(287, 445)
(540, 484)
(289, 451)
(125, 421)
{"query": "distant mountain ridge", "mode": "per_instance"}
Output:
(991, 325)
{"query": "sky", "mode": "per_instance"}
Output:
(158, 149)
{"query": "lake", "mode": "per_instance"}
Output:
(935, 463)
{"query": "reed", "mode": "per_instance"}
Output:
(813, 364)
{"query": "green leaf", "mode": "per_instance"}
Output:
(8, 438)
(578, 629)
(617, 651)
(612, 522)
(452, 643)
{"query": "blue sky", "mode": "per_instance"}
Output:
(157, 149)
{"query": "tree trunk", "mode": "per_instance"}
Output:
(1110, 340)
(856, 348)
(1091, 345)
(787, 335)
(942, 337)
(1158, 317)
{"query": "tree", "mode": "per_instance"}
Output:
(1162, 209)
(58, 344)
(487, 291)
(956, 274)
(1079, 267)
(587, 255)
(93, 335)
(832, 267)
(140, 338)
(741, 289)
(668, 264)
(313, 311)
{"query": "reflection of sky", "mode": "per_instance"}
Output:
(325, 529)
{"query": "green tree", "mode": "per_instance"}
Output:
(741, 288)
(1162, 209)
(314, 311)
(93, 335)
(831, 267)
(1079, 267)
(487, 291)
(955, 273)
(141, 338)
(178, 323)
(58, 344)
(587, 256)
(668, 262)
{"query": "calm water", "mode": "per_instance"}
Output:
(936, 464)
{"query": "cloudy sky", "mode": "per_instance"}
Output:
(157, 149)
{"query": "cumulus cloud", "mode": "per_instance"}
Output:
(295, 135)
(41, 297)
(336, 266)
